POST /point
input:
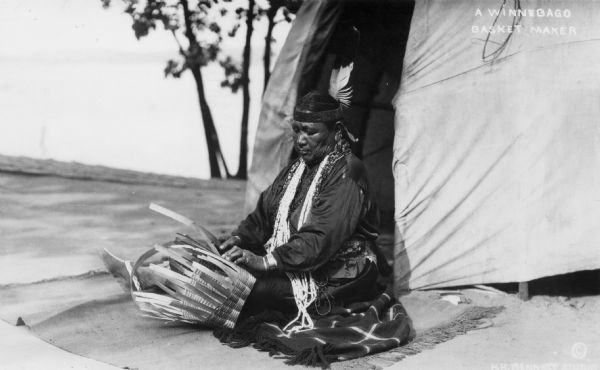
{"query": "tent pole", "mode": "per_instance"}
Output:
(524, 290)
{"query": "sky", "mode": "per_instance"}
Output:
(76, 85)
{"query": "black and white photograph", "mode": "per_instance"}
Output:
(296, 184)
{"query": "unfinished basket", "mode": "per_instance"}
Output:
(196, 286)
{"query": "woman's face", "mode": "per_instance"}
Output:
(312, 140)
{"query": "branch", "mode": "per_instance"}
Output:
(181, 50)
(187, 17)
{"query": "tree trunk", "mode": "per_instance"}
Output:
(243, 162)
(268, 42)
(215, 156)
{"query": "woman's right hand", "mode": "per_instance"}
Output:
(246, 258)
(233, 241)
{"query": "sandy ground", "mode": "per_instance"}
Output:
(50, 275)
(544, 333)
(18, 345)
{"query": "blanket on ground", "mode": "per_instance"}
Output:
(345, 333)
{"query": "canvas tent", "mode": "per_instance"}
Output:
(490, 139)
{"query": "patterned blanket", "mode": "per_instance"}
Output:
(345, 333)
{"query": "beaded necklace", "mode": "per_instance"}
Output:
(303, 283)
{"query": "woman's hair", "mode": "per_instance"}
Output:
(318, 107)
(316, 102)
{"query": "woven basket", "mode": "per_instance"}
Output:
(195, 285)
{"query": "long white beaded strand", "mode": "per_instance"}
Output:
(303, 284)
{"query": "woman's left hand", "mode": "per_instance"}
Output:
(246, 258)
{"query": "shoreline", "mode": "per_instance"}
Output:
(75, 170)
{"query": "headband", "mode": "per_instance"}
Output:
(322, 117)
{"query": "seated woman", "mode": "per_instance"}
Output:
(310, 242)
(314, 228)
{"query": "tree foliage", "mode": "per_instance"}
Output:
(274, 12)
(194, 26)
(199, 26)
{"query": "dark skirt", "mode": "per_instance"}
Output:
(273, 291)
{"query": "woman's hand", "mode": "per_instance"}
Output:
(246, 258)
(230, 243)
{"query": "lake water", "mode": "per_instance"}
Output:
(75, 85)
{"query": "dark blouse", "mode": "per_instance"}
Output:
(342, 210)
